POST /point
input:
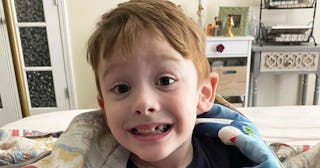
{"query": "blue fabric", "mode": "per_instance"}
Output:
(234, 129)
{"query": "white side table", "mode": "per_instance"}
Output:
(234, 81)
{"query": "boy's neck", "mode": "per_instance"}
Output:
(180, 158)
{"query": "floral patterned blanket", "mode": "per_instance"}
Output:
(297, 156)
(23, 147)
(19, 147)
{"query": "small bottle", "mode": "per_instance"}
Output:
(218, 27)
(210, 30)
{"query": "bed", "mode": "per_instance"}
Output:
(291, 131)
(293, 125)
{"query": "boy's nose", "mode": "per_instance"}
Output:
(145, 102)
(146, 110)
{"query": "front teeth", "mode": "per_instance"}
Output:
(156, 130)
(161, 128)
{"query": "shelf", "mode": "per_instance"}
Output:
(288, 4)
(286, 34)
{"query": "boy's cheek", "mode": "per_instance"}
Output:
(100, 102)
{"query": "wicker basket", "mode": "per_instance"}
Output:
(289, 3)
(278, 34)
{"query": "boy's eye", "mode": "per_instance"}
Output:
(121, 88)
(163, 81)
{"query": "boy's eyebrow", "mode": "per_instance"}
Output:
(109, 68)
(170, 57)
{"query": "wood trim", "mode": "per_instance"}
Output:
(63, 19)
(16, 57)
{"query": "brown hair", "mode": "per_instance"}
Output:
(131, 19)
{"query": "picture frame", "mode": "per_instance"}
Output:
(240, 17)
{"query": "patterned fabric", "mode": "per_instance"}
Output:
(234, 129)
(298, 156)
(16, 148)
(19, 133)
(88, 142)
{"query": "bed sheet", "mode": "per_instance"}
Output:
(292, 125)
(47, 122)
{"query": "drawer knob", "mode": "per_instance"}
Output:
(220, 48)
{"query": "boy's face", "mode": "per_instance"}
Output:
(150, 99)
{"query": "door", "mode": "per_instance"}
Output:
(9, 100)
(39, 41)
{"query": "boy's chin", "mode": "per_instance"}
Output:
(162, 154)
(152, 157)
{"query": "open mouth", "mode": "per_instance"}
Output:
(159, 129)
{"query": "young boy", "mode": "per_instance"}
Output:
(153, 80)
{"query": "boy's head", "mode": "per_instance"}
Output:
(127, 23)
(152, 75)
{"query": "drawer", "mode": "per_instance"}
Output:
(289, 61)
(232, 80)
(231, 48)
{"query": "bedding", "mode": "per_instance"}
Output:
(30, 139)
(291, 131)
(293, 125)
(47, 122)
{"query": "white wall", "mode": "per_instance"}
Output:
(83, 14)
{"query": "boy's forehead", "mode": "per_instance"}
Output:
(148, 44)
(148, 49)
(124, 49)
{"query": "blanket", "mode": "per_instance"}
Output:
(23, 147)
(297, 156)
(19, 147)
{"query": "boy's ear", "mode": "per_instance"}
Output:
(207, 92)
(100, 102)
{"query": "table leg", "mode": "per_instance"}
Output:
(316, 91)
(304, 88)
(254, 90)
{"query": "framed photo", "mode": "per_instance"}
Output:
(240, 17)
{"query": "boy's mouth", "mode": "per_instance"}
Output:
(145, 131)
